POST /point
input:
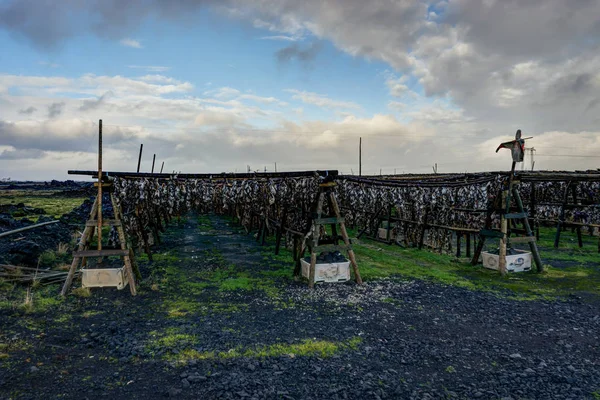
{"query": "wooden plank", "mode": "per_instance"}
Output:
(503, 229)
(328, 184)
(329, 221)
(105, 222)
(101, 253)
(332, 247)
(491, 233)
(522, 239)
(519, 215)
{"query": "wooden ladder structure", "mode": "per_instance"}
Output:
(94, 225)
(311, 240)
(512, 192)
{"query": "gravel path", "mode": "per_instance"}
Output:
(385, 339)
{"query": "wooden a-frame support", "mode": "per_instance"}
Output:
(95, 224)
(504, 234)
(311, 240)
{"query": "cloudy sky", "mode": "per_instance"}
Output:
(212, 86)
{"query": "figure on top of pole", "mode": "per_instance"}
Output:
(517, 147)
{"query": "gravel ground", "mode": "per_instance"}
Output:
(392, 339)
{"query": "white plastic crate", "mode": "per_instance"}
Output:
(103, 277)
(520, 262)
(328, 272)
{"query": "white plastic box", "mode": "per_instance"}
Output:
(328, 272)
(103, 277)
(516, 263)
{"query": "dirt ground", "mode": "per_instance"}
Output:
(217, 316)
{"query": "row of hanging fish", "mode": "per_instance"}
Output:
(458, 202)
(147, 201)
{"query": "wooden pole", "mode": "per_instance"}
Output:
(315, 240)
(389, 224)
(561, 218)
(532, 245)
(280, 229)
(503, 229)
(162, 166)
(140, 157)
(153, 160)
(468, 245)
(360, 156)
(99, 217)
(351, 256)
(27, 228)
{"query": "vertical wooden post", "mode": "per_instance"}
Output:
(373, 220)
(458, 237)
(153, 160)
(468, 245)
(298, 253)
(561, 218)
(503, 229)
(351, 256)
(315, 240)
(142, 230)
(99, 216)
(423, 229)
(263, 239)
(360, 156)
(532, 211)
(532, 245)
(389, 223)
(578, 228)
(162, 166)
(140, 157)
(280, 229)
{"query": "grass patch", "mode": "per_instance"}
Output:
(81, 292)
(305, 348)
(89, 314)
(54, 206)
(171, 337)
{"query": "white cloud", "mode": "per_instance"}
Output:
(320, 100)
(127, 42)
(397, 106)
(281, 37)
(91, 84)
(150, 68)
(225, 93)
(485, 68)
(397, 86)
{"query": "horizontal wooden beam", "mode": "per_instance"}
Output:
(515, 215)
(105, 222)
(522, 239)
(101, 253)
(222, 175)
(328, 221)
(491, 233)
